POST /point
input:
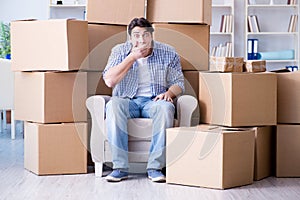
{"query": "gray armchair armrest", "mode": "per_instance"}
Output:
(186, 105)
(96, 106)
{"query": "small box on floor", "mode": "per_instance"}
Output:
(288, 150)
(210, 156)
(254, 66)
(226, 64)
(55, 148)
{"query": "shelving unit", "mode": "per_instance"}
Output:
(69, 9)
(218, 35)
(274, 36)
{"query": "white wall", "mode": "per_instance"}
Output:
(23, 9)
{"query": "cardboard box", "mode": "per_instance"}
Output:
(50, 97)
(288, 150)
(114, 11)
(57, 44)
(254, 66)
(55, 148)
(102, 38)
(190, 41)
(238, 99)
(96, 84)
(189, 11)
(191, 84)
(226, 64)
(264, 158)
(209, 156)
(288, 109)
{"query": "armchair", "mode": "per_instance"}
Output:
(139, 130)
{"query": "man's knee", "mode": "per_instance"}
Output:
(117, 105)
(164, 108)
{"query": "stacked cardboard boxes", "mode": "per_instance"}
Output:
(50, 93)
(288, 127)
(243, 100)
(186, 27)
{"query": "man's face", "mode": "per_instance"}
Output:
(140, 37)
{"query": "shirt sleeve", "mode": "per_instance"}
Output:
(175, 75)
(114, 59)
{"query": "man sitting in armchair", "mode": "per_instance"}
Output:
(146, 76)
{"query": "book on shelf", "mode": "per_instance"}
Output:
(226, 23)
(253, 25)
(222, 50)
(252, 49)
(291, 2)
(251, 2)
(293, 23)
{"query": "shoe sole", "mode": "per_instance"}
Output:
(113, 179)
(158, 179)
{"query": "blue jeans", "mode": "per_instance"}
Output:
(119, 110)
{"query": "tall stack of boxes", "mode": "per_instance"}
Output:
(288, 127)
(239, 113)
(185, 25)
(50, 93)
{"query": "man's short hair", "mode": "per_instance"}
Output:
(140, 22)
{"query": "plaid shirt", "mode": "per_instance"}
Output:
(164, 67)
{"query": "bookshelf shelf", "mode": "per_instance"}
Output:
(272, 6)
(273, 33)
(220, 6)
(278, 31)
(281, 61)
(67, 6)
(219, 33)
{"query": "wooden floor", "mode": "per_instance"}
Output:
(17, 183)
